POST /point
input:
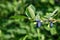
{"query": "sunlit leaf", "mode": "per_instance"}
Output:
(53, 31)
(30, 11)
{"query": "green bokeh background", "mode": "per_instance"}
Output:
(16, 25)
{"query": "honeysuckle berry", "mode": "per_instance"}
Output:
(51, 24)
(38, 23)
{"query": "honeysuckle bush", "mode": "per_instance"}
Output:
(29, 20)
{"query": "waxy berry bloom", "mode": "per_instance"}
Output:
(51, 24)
(38, 23)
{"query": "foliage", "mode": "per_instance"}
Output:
(18, 19)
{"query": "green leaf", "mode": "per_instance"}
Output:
(7, 36)
(51, 14)
(30, 11)
(0, 33)
(51, 1)
(44, 1)
(53, 31)
(20, 31)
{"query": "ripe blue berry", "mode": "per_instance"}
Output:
(51, 24)
(38, 23)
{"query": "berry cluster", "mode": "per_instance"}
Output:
(39, 23)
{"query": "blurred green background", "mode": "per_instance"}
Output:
(17, 19)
